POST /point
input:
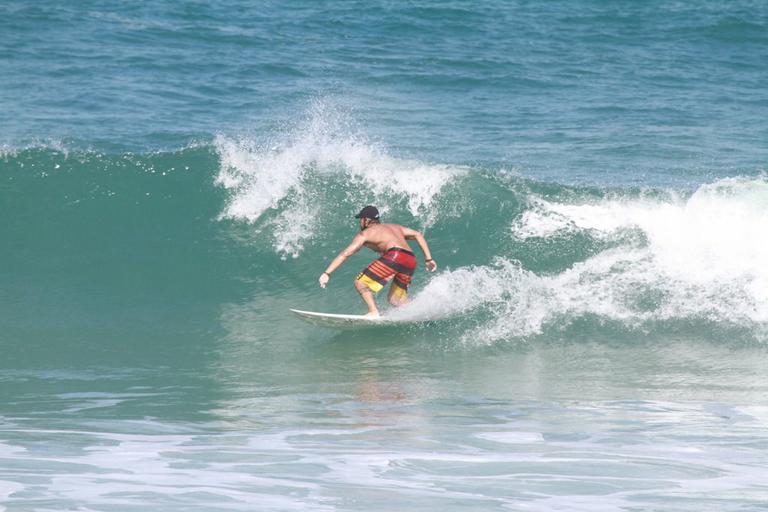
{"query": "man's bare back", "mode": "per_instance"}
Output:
(382, 237)
(396, 264)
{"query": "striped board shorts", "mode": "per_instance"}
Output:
(396, 263)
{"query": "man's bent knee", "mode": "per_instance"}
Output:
(397, 297)
(361, 287)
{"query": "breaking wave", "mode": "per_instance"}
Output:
(518, 258)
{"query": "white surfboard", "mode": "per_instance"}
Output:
(337, 321)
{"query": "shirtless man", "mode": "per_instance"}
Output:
(396, 261)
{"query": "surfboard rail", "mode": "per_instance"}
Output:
(340, 321)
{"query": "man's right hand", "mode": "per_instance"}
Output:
(324, 278)
(431, 265)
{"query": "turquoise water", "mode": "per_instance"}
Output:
(590, 177)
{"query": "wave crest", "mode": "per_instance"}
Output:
(289, 180)
(700, 259)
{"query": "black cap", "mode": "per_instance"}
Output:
(369, 212)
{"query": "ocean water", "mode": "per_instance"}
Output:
(591, 178)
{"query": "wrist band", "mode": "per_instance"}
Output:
(430, 259)
(326, 273)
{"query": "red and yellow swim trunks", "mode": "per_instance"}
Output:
(396, 263)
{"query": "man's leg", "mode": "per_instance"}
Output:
(397, 296)
(367, 296)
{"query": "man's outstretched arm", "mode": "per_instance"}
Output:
(351, 249)
(412, 234)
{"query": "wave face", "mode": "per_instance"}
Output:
(169, 232)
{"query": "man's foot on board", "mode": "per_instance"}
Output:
(372, 314)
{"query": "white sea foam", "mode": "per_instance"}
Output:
(512, 437)
(716, 233)
(701, 258)
(594, 455)
(12, 150)
(454, 292)
(7, 489)
(277, 176)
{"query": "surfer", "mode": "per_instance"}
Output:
(396, 263)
